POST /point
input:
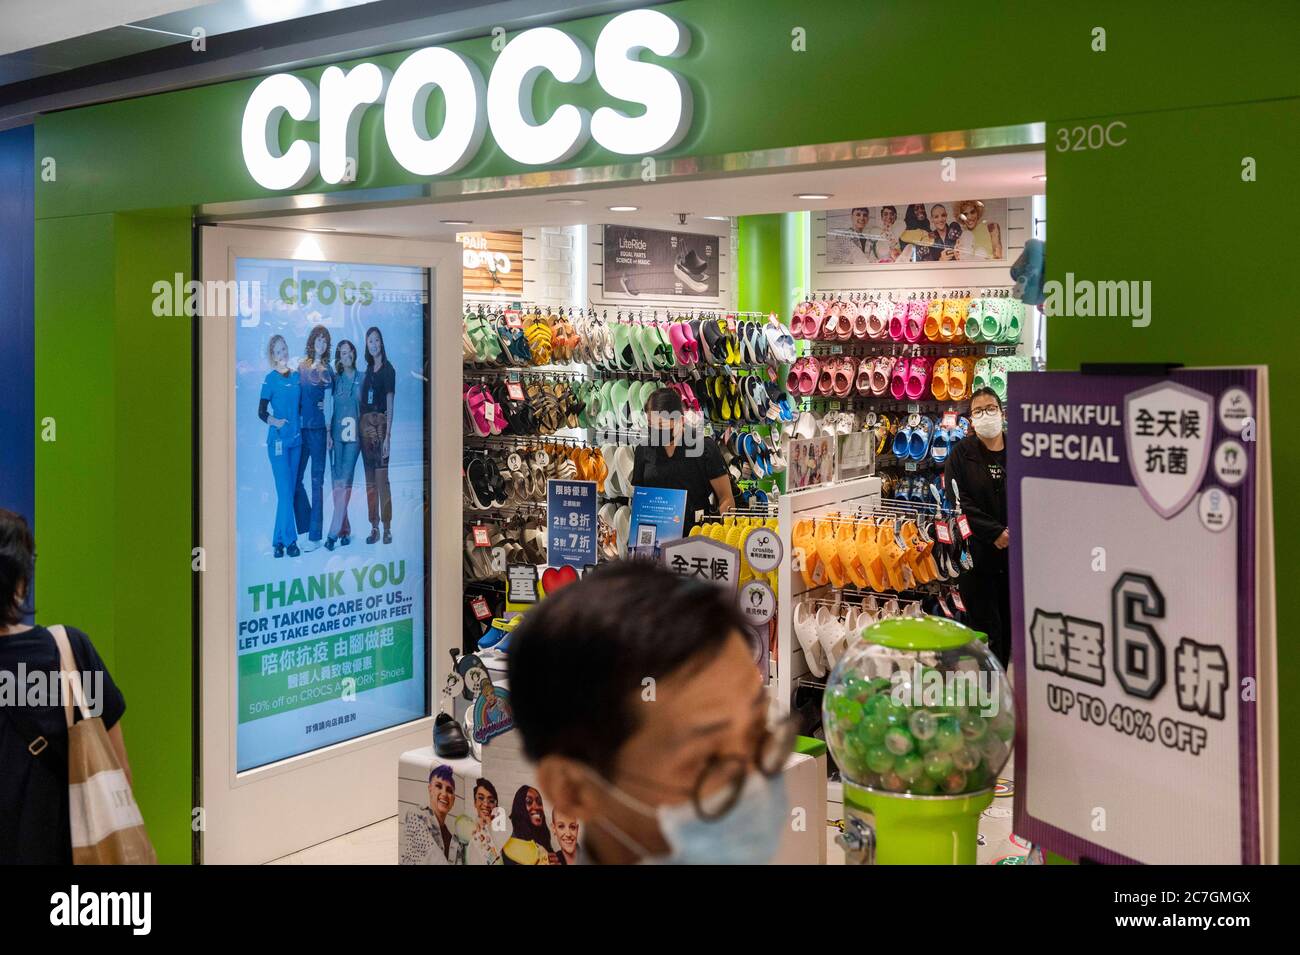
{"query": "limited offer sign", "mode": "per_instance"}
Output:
(1144, 645)
(570, 523)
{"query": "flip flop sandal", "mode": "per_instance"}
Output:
(933, 318)
(917, 378)
(898, 378)
(939, 380)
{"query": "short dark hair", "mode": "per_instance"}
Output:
(986, 391)
(855, 209)
(600, 638)
(486, 784)
(17, 566)
(664, 399)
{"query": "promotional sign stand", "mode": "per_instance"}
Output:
(1142, 614)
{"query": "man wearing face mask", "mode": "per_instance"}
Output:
(638, 700)
(679, 456)
(978, 466)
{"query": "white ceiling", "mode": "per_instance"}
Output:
(977, 177)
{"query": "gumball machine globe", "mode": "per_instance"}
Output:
(920, 719)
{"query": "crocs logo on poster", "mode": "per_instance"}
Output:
(1167, 431)
(502, 102)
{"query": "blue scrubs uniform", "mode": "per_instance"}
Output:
(283, 447)
(346, 431)
(313, 382)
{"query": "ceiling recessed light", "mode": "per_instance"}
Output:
(568, 202)
(456, 221)
(813, 195)
(1042, 178)
(623, 208)
(717, 218)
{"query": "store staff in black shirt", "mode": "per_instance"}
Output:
(695, 467)
(978, 467)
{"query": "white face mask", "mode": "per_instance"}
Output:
(989, 425)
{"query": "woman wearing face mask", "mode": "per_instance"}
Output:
(689, 775)
(670, 460)
(978, 466)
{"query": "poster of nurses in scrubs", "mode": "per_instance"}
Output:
(331, 473)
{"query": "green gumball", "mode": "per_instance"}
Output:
(923, 724)
(954, 783)
(965, 759)
(974, 727)
(924, 786)
(872, 728)
(846, 708)
(879, 760)
(898, 741)
(909, 767)
(938, 764)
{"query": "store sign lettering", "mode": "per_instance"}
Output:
(502, 103)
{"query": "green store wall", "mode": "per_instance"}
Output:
(1199, 89)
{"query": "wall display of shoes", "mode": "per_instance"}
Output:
(561, 392)
(904, 363)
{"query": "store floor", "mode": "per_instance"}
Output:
(377, 844)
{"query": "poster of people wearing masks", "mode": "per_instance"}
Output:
(331, 470)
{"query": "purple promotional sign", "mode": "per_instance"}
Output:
(1132, 510)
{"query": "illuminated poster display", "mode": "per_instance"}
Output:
(331, 474)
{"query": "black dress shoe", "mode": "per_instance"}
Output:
(388, 536)
(448, 740)
(329, 543)
(374, 535)
(279, 551)
(292, 550)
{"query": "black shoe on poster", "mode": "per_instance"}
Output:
(345, 540)
(292, 550)
(279, 551)
(388, 536)
(329, 543)
(374, 535)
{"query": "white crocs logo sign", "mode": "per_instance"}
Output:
(503, 103)
(1168, 428)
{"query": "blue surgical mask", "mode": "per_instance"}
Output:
(749, 834)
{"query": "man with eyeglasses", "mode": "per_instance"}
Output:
(636, 695)
(978, 466)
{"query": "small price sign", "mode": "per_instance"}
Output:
(480, 608)
(515, 390)
(942, 533)
(481, 536)
(964, 526)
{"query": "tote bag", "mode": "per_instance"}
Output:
(107, 828)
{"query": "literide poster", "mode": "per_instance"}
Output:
(656, 264)
(1139, 661)
(331, 481)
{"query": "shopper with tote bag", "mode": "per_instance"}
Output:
(65, 782)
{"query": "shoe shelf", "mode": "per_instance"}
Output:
(919, 349)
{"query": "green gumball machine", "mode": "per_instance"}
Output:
(920, 719)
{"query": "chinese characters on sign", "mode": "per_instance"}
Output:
(702, 558)
(571, 523)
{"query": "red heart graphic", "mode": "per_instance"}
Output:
(567, 575)
(551, 580)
